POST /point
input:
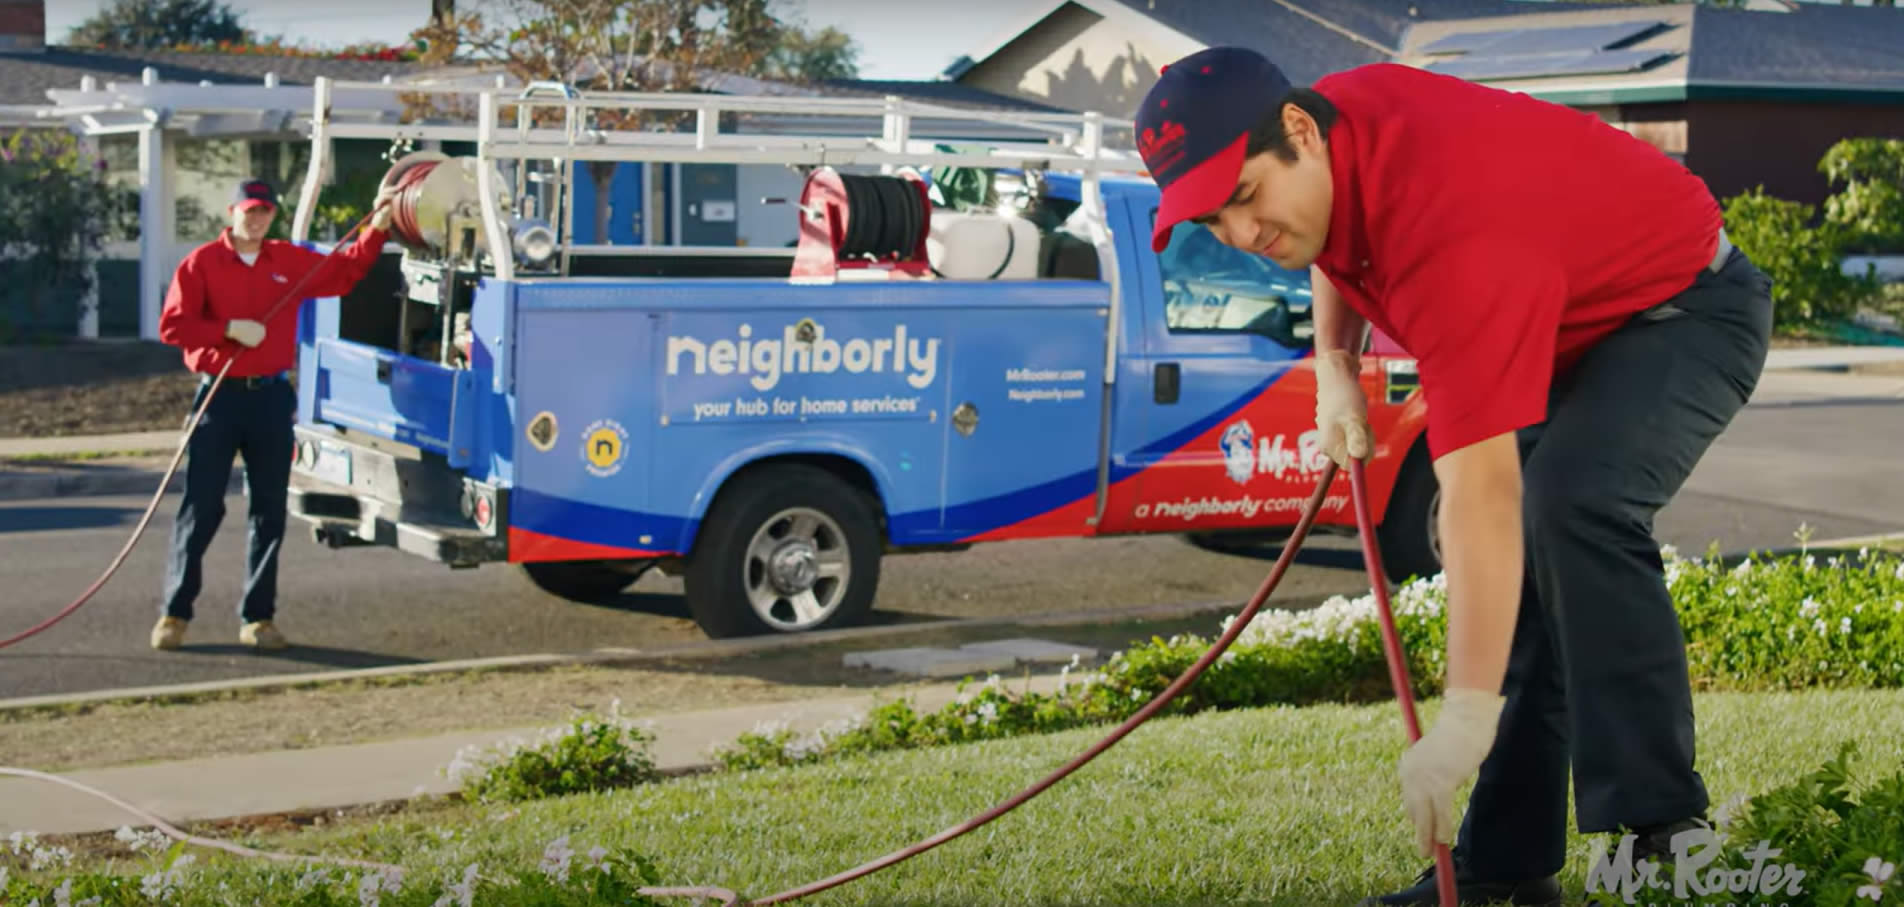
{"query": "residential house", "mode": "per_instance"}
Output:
(1744, 96)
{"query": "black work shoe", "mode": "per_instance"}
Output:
(1655, 842)
(1541, 892)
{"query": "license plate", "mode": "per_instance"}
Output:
(333, 463)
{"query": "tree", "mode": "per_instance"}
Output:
(632, 46)
(154, 24)
(1869, 206)
(55, 209)
(813, 55)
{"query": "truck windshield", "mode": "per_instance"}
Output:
(1209, 286)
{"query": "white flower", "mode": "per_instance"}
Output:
(1808, 608)
(988, 712)
(1728, 811)
(1668, 553)
(597, 859)
(555, 859)
(1879, 872)
(1819, 625)
(464, 893)
(1844, 625)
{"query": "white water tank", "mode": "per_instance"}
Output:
(982, 245)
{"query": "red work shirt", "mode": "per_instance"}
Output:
(1496, 237)
(213, 286)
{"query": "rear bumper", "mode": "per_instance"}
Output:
(356, 493)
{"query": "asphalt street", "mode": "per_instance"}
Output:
(1796, 456)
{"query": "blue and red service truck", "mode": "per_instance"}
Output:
(769, 424)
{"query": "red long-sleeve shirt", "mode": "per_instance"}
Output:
(213, 286)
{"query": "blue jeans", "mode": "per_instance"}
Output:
(252, 418)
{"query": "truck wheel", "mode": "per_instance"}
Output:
(785, 550)
(587, 582)
(1410, 535)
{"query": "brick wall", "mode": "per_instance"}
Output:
(22, 24)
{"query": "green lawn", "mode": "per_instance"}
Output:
(1289, 806)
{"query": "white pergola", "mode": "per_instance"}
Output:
(162, 113)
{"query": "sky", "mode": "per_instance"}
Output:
(916, 44)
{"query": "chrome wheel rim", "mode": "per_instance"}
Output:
(797, 569)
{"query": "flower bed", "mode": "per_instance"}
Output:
(1766, 623)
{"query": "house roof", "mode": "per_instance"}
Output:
(1816, 44)
(26, 77)
(1810, 51)
(949, 94)
(1793, 49)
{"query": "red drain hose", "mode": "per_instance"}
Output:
(184, 441)
(1391, 646)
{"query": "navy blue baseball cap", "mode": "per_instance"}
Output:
(1194, 125)
(254, 192)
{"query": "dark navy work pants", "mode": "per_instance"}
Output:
(252, 418)
(1597, 678)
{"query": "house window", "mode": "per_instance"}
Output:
(1212, 288)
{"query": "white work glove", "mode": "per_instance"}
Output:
(380, 219)
(1342, 408)
(249, 333)
(1444, 758)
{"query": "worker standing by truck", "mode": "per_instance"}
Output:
(1583, 331)
(212, 311)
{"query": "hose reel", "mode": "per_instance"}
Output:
(437, 210)
(874, 224)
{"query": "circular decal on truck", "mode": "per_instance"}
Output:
(541, 430)
(604, 443)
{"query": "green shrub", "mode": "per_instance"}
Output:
(1868, 205)
(55, 209)
(1849, 849)
(1765, 624)
(562, 877)
(593, 753)
(1803, 261)
(1794, 623)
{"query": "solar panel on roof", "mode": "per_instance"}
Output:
(1531, 66)
(1539, 40)
(1574, 38)
(1466, 41)
(1607, 62)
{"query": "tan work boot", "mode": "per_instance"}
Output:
(262, 635)
(169, 633)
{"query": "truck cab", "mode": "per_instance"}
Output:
(916, 375)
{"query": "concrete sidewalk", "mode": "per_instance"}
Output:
(334, 777)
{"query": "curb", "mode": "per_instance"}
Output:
(108, 480)
(610, 656)
(744, 646)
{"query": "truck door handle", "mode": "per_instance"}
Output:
(383, 371)
(1168, 382)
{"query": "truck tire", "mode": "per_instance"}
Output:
(586, 582)
(787, 549)
(1408, 534)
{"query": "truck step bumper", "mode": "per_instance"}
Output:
(343, 520)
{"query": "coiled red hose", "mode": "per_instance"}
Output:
(403, 205)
